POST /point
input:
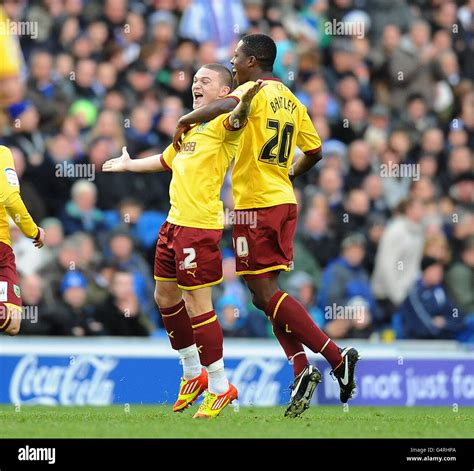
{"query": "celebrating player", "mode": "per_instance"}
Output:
(261, 181)
(11, 205)
(188, 261)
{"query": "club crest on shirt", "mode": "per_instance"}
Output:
(16, 290)
(202, 126)
(12, 177)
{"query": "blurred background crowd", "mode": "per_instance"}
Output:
(386, 220)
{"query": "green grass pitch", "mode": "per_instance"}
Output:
(245, 422)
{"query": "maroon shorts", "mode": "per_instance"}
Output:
(189, 256)
(263, 240)
(9, 284)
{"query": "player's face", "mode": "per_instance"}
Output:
(206, 87)
(240, 65)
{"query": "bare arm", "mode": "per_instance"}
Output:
(208, 112)
(125, 164)
(238, 117)
(305, 163)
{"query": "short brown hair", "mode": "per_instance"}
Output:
(225, 74)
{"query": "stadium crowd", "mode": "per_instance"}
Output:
(386, 220)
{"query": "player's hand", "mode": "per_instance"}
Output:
(181, 129)
(250, 93)
(120, 164)
(39, 242)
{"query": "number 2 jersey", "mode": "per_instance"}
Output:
(277, 123)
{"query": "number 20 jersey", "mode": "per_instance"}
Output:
(277, 123)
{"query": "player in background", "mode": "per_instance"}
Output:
(11, 60)
(188, 261)
(261, 181)
(11, 205)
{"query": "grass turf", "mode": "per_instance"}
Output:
(245, 422)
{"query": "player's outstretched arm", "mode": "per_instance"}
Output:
(238, 117)
(304, 163)
(125, 164)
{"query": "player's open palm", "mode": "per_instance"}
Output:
(119, 164)
(249, 94)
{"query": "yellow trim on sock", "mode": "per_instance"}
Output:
(212, 319)
(283, 296)
(173, 313)
(6, 321)
(11, 308)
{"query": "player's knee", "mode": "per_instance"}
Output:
(260, 300)
(14, 327)
(10, 319)
(13, 320)
(198, 301)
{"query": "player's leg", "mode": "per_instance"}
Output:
(307, 376)
(199, 267)
(210, 341)
(169, 299)
(10, 295)
(178, 327)
(292, 347)
(270, 248)
(10, 318)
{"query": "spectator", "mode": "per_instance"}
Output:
(345, 286)
(460, 279)
(398, 256)
(232, 316)
(38, 317)
(77, 318)
(214, 21)
(121, 313)
(81, 213)
(428, 312)
(122, 254)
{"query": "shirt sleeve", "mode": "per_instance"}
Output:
(10, 196)
(167, 157)
(308, 139)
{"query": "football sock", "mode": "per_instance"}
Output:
(191, 362)
(178, 325)
(208, 337)
(217, 380)
(293, 348)
(293, 318)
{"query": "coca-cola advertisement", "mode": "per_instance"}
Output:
(262, 376)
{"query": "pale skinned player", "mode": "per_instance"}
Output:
(188, 261)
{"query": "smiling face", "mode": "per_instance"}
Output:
(207, 87)
(240, 64)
